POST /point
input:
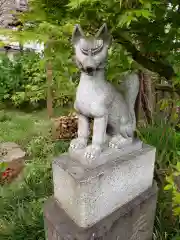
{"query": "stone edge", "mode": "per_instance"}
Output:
(62, 218)
(91, 173)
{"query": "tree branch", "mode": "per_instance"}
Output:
(163, 69)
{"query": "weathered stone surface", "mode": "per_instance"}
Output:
(133, 221)
(89, 195)
(11, 151)
(13, 156)
(108, 155)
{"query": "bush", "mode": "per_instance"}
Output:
(23, 82)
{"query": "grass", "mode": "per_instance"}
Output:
(21, 203)
(167, 143)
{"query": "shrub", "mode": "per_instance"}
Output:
(23, 82)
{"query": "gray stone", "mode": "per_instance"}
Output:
(111, 108)
(133, 221)
(7, 9)
(12, 160)
(89, 195)
(11, 152)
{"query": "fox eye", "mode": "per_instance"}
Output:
(90, 52)
(91, 48)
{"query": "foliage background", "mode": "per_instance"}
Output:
(23, 82)
(145, 36)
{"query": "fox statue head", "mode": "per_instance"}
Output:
(91, 52)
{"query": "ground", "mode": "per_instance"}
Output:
(21, 203)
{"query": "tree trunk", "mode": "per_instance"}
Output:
(49, 90)
(144, 100)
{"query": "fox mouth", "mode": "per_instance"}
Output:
(90, 70)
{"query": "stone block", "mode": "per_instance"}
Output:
(133, 221)
(11, 161)
(89, 195)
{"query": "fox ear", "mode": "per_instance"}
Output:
(77, 34)
(103, 34)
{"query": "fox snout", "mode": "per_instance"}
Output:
(89, 65)
(89, 70)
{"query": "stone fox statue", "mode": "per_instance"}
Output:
(111, 109)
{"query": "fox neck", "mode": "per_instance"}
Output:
(96, 76)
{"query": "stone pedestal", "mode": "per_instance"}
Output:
(89, 195)
(113, 201)
(133, 221)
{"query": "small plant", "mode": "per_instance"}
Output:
(4, 172)
(3, 167)
(40, 146)
(173, 185)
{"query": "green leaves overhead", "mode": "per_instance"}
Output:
(148, 30)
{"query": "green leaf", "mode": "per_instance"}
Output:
(169, 179)
(3, 166)
(178, 167)
(164, 104)
(168, 187)
(178, 103)
(176, 198)
(76, 3)
(146, 14)
(147, 6)
(176, 211)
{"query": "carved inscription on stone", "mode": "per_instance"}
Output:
(56, 236)
(52, 234)
(139, 226)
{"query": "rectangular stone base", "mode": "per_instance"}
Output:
(133, 221)
(89, 195)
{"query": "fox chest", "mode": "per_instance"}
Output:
(90, 100)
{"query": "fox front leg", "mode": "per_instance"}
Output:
(83, 133)
(125, 135)
(98, 139)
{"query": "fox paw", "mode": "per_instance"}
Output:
(92, 152)
(78, 143)
(118, 142)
